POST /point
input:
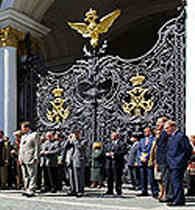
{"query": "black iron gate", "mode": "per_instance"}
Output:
(101, 93)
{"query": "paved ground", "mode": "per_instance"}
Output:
(93, 200)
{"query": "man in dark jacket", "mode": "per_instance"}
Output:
(178, 154)
(114, 152)
(133, 163)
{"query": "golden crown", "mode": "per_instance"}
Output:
(57, 92)
(91, 13)
(137, 80)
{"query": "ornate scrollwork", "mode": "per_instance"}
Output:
(97, 84)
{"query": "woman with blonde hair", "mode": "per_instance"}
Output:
(97, 164)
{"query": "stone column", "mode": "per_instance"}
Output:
(8, 90)
(8, 80)
(190, 69)
(13, 28)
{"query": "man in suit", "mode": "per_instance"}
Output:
(75, 158)
(29, 158)
(132, 159)
(50, 151)
(41, 167)
(114, 152)
(178, 154)
(146, 172)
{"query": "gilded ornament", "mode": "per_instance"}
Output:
(58, 92)
(8, 37)
(138, 104)
(92, 29)
(58, 113)
(137, 80)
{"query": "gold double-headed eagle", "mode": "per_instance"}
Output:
(92, 29)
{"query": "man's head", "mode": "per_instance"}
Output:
(157, 133)
(147, 132)
(17, 135)
(133, 139)
(58, 137)
(192, 139)
(6, 138)
(42, 139)
(1, 134)
(71, 136)
(170, 127)
(161, 122)
(25, 127)
(49, 135)
(115, 136)
(77, 134)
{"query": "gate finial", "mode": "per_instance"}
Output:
(92, 29)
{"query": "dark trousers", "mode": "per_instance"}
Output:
(191, 189)
(43, 181)
(114, 175)
(39, 177)
(12, 176)
(52, 173)
(177, 176)
(60, 176)
(87, 176)
(77, 179)
(135, 175)
(147, 173)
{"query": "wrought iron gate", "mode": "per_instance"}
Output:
(101, 93)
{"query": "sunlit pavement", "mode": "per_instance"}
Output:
(92, 200)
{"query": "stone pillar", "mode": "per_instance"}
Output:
(13, 28)
(8, 80)
(190, 69)
(8, 89)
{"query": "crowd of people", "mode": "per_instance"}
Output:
(163, 158)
